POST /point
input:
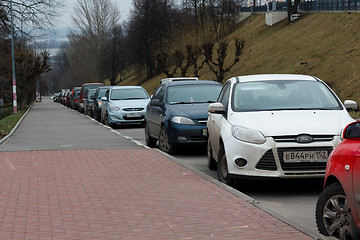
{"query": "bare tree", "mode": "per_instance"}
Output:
(94, 22)
(33, 14)
(218, 66)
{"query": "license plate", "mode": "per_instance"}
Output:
(133, 115)
(305, 156)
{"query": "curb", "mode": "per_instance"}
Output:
(4, 139)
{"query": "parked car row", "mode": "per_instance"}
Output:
(111, 105)
(256, 126)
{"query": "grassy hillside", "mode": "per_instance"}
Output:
(326, 45)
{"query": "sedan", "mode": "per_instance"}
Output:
(124, 105)
(274, 125)
(338, 206)
(177, 113)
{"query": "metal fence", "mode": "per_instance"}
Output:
(308, 6)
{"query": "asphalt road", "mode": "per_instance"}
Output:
(293, 200)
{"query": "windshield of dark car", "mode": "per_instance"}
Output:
(187, 94)
(283, 95)
(101, 93)
(128, 94)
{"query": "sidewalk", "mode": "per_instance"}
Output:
(114, 192)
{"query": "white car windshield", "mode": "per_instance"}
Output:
(283, 95)
(128, 94)
(189, 94)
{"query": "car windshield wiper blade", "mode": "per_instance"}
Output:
(191, 102)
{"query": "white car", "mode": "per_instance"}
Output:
(274, 125)
(124, 105)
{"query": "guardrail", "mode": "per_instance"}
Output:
(308, 6)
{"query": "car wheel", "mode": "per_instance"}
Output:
(164, 142)
(333, 214)
(222, 168)
(150, 141)
(107, 121)
(211, 161)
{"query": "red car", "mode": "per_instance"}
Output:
(338, 206)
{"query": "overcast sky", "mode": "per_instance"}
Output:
(65, 20)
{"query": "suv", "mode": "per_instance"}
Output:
(338, 206)
(83, 93)
(124, 105)
(274, 125)
(177, 113)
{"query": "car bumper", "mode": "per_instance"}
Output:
(187, 134)
(126, 117)
(266, 160)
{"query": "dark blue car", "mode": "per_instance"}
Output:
(177, 113)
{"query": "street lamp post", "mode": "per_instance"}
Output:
(13, 59)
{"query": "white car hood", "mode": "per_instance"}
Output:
(289, 122)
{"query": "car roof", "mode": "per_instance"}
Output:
(194, 82)
(125, 87)
(179, 79)
(269, 77)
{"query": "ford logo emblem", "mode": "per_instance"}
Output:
(304, 139)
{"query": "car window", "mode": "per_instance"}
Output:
(159, 93)
(183, 94)
(128, 94)
(107, 94)
(101, 93)
(224, 95)
(283, 95)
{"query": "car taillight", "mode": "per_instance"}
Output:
(76, 100)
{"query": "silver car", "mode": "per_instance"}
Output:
(124, 105)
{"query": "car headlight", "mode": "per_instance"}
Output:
(114, 108)
(248, 135)
(182, 120)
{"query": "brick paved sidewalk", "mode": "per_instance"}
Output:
(121, 194)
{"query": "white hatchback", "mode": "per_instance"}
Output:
(274, 125)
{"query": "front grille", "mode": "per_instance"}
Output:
(197, 138)
(267, 162)
(316, 138)
(133, 109)
(134, 118)
(314, 167)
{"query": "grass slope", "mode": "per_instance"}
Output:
(326, 45)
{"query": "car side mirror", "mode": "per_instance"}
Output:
(155, 103)
(104, 99)
(217, 108)
(352, 131)
(351, 105)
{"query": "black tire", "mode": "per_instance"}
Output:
(150, 141)
(107, 121)
(333, 214)
(164, 142)
(212, 165)
(222, 168)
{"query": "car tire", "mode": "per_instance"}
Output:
(222, 168)
(164, 142)
(333, 214)
(212, 165)
(150, 141)
(107, 121)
